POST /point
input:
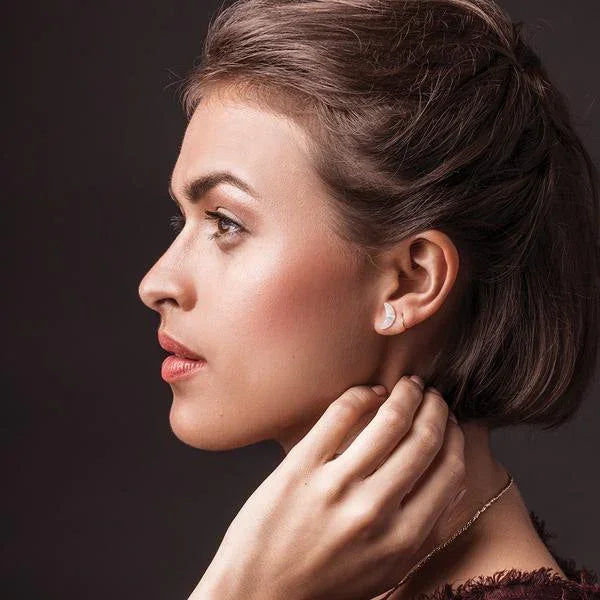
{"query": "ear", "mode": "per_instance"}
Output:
(418, 275)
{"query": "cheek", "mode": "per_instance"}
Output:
(296, 333)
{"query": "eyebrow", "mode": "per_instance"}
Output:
(194, 190)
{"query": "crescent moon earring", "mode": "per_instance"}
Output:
(390, 316)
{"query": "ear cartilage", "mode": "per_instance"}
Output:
(390, 315)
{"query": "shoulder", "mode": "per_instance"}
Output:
(537, 584)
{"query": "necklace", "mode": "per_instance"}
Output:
(452, 537)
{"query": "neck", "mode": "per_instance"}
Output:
(484, 547)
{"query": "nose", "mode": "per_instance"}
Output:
(165, 284)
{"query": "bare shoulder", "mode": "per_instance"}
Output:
(514, 551)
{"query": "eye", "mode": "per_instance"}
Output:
(178, 221)
(221, 218)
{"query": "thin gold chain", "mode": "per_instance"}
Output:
(453, 537)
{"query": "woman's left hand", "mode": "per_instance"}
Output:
(327, 527)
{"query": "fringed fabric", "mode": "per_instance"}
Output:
(514, 584)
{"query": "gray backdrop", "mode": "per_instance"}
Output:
(101, 500)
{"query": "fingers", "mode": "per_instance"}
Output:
(375, 442)
(399, 473)
(323, 440)
(433, 493)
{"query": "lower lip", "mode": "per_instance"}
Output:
(175, 368)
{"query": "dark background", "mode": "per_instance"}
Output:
(102, 500)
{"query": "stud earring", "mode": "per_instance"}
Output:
(390, 315)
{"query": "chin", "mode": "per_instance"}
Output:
(203, 434)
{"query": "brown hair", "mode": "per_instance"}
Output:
(436, 114)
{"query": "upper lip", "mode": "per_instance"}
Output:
(175, 347)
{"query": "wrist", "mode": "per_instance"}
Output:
(211, 591)
(205, 592)
(220, 586)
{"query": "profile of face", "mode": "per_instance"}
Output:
(278, 305)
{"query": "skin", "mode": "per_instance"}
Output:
(287, 318)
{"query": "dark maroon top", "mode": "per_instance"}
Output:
(541, 584)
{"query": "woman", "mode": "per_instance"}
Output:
(371, 189)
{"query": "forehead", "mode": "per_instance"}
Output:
(272, 154)
(227, 133)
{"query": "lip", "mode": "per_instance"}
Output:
(175, 368)
(171, 345)
(181, 363)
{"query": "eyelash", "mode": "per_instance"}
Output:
(178, 221)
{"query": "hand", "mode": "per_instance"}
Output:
(332, 527)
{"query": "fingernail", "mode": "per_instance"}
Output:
(434, 390)
(418, 380)
(379, 390)
(452, 417)
(454, 502)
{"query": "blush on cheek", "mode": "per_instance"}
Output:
(303, 332)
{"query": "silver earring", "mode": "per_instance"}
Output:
(390, 315)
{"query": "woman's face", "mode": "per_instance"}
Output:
(279, 307)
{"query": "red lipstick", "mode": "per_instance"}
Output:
(182, 362)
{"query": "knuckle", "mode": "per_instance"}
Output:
(361, 516)
(430, 435)
(341, 409)
(393, 416)
(354, 400)
(346, 406)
